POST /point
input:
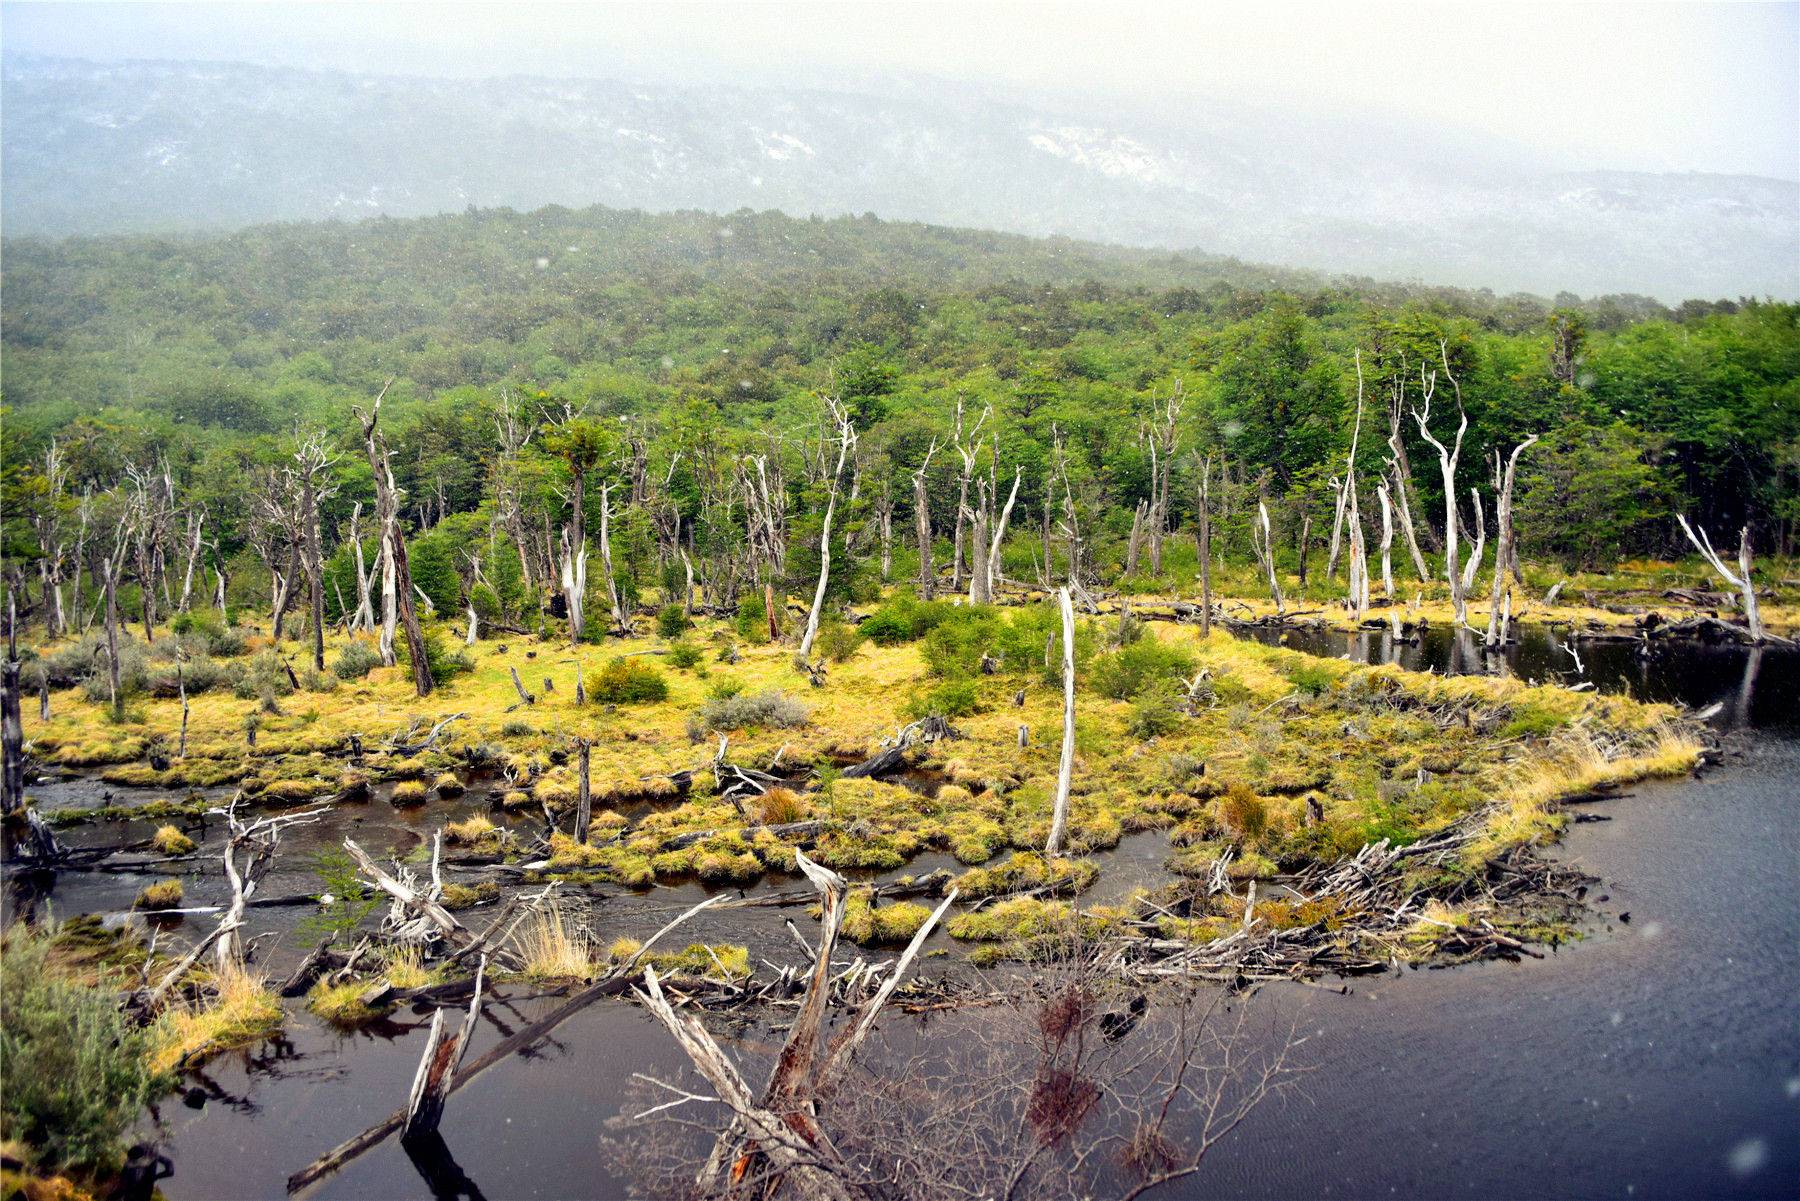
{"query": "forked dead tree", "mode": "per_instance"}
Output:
(846, 442)
(1447, 459)
(1740, 579)
(396, 573)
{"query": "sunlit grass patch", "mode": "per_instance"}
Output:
(168, 840)
(164, 894)
(241, 1009)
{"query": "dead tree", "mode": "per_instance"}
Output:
(922, 525)
(846, 441)
(1503, 546)
(396, 574)
(1262, 541)
(995, 574)
(1387, 542)
(12, 729)
(1742, 579)
(312, 465)
(1447, 459)
(968, 454)
(152, 503)
(1065, 771)
(1473, 566)
(1346, 490)
(1203, 537)
(1164, 435)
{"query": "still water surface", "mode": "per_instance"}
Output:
(1658, 1057)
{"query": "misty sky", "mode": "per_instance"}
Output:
(1642, 86)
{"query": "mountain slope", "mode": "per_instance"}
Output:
(170, 146)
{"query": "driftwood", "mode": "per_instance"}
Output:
(399, 746)
(447, 926)
(621, 978)
(310, 969)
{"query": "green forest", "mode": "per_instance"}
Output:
(666, 367)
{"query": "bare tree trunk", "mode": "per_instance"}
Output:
(12, 727)
(1447, 458)
(1137, 536)
(396, 574)
(1204, 545)
(1742, 579)
(1387, 543)
(1473, 566)
(995, 572)
(1059, 818)
(980, 580)
(111, 570)
(197, 523)
(606, 567)
(847, 435)
(1262, 538)
(922, 525)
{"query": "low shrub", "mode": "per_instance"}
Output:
(1130, 670)
(839, 640)
(627, 682)
(684, 654)
(443, 663)
(770, 709)
(76, 1073)
(671, 621)
(952, 698)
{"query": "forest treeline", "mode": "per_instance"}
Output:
(694, 392)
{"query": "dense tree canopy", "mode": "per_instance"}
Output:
(676, 363)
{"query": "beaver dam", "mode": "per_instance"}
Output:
(794, 847)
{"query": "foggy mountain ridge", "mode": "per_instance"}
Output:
(163, 146)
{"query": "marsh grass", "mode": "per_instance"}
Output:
(555, 946)
(240, 1009)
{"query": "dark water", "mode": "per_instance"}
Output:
(1656, 1057)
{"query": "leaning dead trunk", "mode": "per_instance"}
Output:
(1741, 580)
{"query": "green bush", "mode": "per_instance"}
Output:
(839, 640)
(1153, 713)
(904, 619)
(628, 682)
(355, 661)
(671, 621)
(1130, 670)
(443, 663)
(753, 619)
(955, 645)
(76, 1075)
(1312, 678)
(683, 654)
(952, 698)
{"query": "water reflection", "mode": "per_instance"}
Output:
(1691, 673)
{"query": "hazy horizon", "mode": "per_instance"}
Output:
(1657, 87)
